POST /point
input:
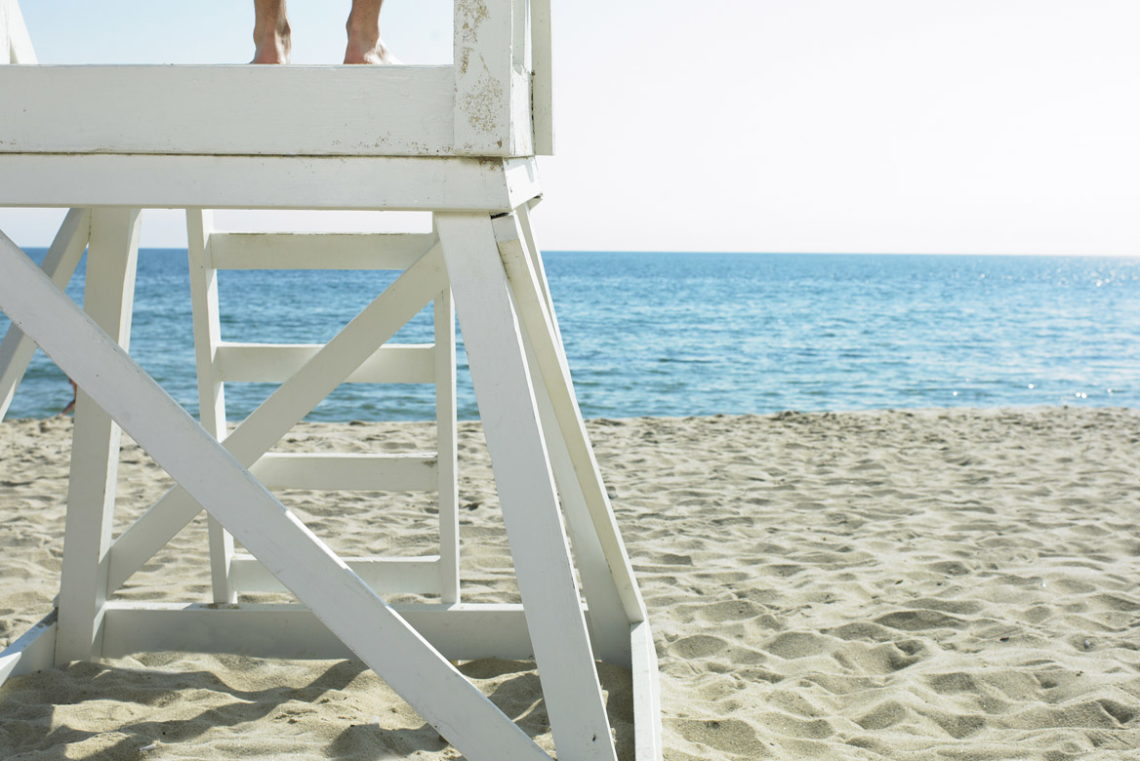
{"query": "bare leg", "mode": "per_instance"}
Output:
(74, 397)
(271, 34)
(364, 43)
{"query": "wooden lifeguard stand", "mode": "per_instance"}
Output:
(461, 144)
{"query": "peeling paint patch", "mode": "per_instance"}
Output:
(469, 15)
(483, 104)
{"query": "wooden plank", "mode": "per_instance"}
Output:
(108, 298)
(609, 621)
(332, 471)
(211, 389)
(458, 632)
(15, 44)
(318, 251)
(526, 489)
(534, 253)
(34, 650)
(287, 405)
(208, 110)
(523, 184)
(539, 326)
(5, 44)
(484, 87)
(447, 446)
(276, 363)
(384, 575)
(542, 90)
(59, 264)
(259, 182)
(648, 744)
(212, 475)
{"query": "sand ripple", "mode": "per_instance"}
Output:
(920, 586)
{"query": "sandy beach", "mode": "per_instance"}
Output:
(904, 585)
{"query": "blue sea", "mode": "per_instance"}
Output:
(676, 334)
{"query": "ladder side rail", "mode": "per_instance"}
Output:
(211, 389)
(447, 446)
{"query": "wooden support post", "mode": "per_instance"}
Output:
(304, 564)
(539, 324)
(62, 258)
(447, 447)
(541, 78)
(15, 44)
(609, 621)
(526, 489)
(534, 253)
(211, 391)
(108, 298)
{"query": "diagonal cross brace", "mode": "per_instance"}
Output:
(213, 477)
(291, 401)
(62, 258)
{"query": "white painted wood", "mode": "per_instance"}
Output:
(287, 405)
(340, 471)
(59, 264)
(108, 298)
(15, 44)
(343, 602)
(447, 446)
(458, 632)
(252, 182)
(542, 91)
(384, 575)
(208, 110)
(538, 324)
(608, 623)
(325, 251)
(5, 44)
(211, 391)
(484, 83)
(276, 363)
(608, 620)
(536, 263)
(646, 695)
(526, 490)
(34, 650)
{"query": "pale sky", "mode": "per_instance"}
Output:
(941, 126)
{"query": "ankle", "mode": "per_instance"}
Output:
(363, 30)
(273, 44)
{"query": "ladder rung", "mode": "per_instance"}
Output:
(328, 471)
(317, 251)
(419, 575)
(276, 363)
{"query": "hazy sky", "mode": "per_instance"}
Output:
(972, 126)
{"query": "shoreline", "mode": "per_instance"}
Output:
(912, 584)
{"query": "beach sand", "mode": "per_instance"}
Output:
(911, 585)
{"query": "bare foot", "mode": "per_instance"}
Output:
(368, 52)
(273, 44)
(363, 28)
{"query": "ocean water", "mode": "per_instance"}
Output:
(671, 334)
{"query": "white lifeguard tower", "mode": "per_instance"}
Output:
(461, 145)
